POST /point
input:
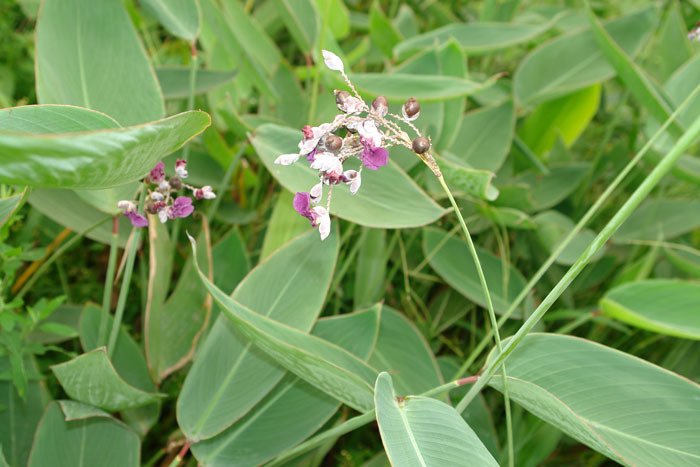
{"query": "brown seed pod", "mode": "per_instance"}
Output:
(341, 97)
(333, 143)
(420, 145)
(411, 109)
(380, 106)
(175, 182)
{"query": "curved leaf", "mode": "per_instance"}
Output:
(258, 436)
(230, 375)
(425, 432)
(663, 306)
(88, 54)
(89, 160)
(90, 378)
(574, 61)
(83, 441)
(623, 407)
(660, 219)
(8, 206)
(388, 198)
(180, 17)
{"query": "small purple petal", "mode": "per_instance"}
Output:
(137, 220)
(311, 157)
(373, 157)
(158, 172)
(182, 207)
(302, 205)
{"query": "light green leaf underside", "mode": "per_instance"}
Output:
(664, 306)
(388, 198)
(180, 17)
(420, 431)
(623, 407)
(90, 378)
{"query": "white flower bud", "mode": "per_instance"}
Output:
(287, 159)
(332, 61)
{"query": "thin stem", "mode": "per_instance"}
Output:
(180, 455)
(530, 156)
(126, 281)
(109, 283)
(492, 314)
(590, 214)
(642, 191)
(57, 254)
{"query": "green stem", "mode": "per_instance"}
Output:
(642, 191)
(590, 214)
(492, 314)
(126, 281)
(530, 156)
(109, 283)
(226, 180)
(57, 254)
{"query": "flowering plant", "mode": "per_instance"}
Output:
(369, 131)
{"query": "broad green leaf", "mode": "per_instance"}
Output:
(90, 378)
(338, 17)
(388, 198)
(634, 78)
(85, 441)
(660, 219)
(302, 20)
(475, 38)
(88, 54)
(485, 136)
(508, 217)
(453, 262)
(383, 33)
(550, 190)
(67, 316)
(77, 411)
(326, 366)
(467, 181)
(477, 414)
(128, 361)
(371, 267)
(686, 261)
(259, 436)
(8, 206)
(20, 417)
(230, 375)
(659, 305)
(552, 227)
(284, 224)
(574, 61)
(90, 160)
(179, 17)
(565, 116)
(425, 432)
(175, 81)
(397, 87)
(402, 351)
(672, 47)
(623, 407)
(452, 63)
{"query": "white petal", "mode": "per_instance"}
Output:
(287, 159)
(316, 192)
(157, 196)
(327, 162)
(126, 206)
(324, 221)
(368, 130)
(181, 171)
(353, 105)
(403, 112)
(207, 192)
(163, 215)
(332, 61)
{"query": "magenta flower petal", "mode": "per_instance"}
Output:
(182, 207)
(302, 205)
(157, 174)
(373, 157)
(137, 220)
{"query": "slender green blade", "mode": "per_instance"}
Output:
(420, 431)
(623, 407)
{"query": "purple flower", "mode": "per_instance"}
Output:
(318, 216)
(137, 220)
(373, 157)
(312, 155)
(182, 207)
(157, 175)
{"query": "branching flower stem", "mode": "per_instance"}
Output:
(622, 214)
(492, 315)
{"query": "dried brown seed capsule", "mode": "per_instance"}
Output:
(333, 143)
(421, 145)
(380, 106)
(411, 109)
(175, 182)
(341, 97)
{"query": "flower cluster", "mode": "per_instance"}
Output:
(368, 131)
(161, 196)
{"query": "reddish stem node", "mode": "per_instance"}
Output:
(467, 380)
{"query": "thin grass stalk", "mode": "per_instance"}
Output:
(109, 284)
(587, 217)
(642, 191)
